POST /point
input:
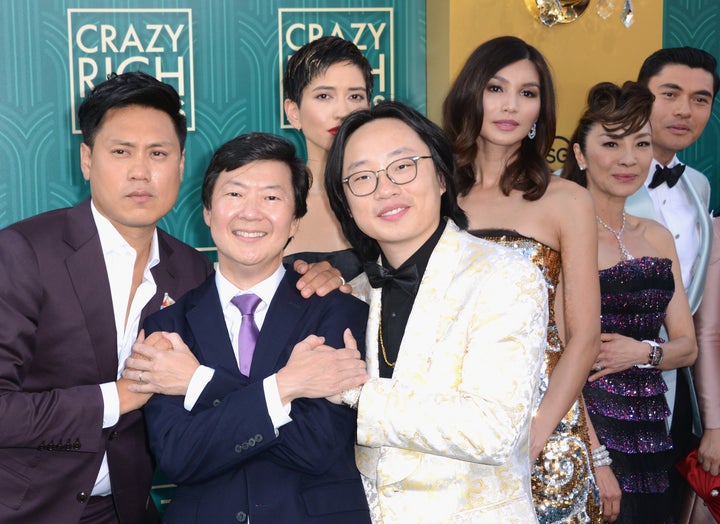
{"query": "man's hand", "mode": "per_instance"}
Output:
(318, 371)
(130, 400)
(319, 278)
(165, 367)
(350, 343)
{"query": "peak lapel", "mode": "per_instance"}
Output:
(276, 342)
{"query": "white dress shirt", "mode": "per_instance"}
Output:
(119, 259)
(675, 211)
(279, 413)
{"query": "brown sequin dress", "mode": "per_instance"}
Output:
(563, 483)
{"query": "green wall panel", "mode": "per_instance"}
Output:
(225, 57)
(697, 23)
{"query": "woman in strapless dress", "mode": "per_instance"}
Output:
(500, 116)
(641, 289)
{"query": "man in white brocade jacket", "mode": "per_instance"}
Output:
(455, 335)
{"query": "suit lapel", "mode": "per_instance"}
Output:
(86, 269)
(206, 320)
(275, 343)
(424, 321)
(704, 224)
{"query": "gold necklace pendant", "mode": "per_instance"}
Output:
(382, 345)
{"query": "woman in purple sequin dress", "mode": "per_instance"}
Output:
(641, 289)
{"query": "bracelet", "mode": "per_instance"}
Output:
(351, 397)
(655, 357)
(601, 457)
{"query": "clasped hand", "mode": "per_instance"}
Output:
(160, 363)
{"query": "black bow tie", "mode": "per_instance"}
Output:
(669, 175)
(406, 278)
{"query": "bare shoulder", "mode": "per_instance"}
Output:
(657, 235)
(567, 193)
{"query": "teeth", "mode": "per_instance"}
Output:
(249, 234)
(392, 212)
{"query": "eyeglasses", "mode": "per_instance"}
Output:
(401, 171)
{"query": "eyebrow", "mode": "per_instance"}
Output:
(239, 183)
(130, 143)
(616, 137)
(394, 152)
(676, 87)
(333, 88)
(505, 80)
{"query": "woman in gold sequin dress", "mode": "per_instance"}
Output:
(500, 116)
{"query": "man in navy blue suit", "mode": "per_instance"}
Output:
(251, 437)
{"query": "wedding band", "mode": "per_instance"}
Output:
(597, 367)
(140, 377)
(342, 280)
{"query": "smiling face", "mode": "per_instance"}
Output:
(400, 217)
(616, 166)
(134, 168)
(251, 219)
(325, 103)
(511, 104)
(683, 103)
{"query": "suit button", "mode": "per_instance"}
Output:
(82, 497)
(216, 402)
(114, 435)
(258, 438)
(244, 446)
(238, 448)
(241, 516)
(251, 442)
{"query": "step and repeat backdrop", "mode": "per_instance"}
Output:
(225, 58)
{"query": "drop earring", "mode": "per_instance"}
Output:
(533, 131)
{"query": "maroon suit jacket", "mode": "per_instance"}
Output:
(57, 344)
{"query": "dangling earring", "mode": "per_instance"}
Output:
(533, 131)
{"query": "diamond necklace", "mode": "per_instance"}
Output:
(618, 236)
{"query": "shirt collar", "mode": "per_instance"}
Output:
(265, 289)
(112, 242)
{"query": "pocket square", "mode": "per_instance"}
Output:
(167, 301)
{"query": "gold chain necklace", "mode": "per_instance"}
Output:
(618, 236)
(382, 345)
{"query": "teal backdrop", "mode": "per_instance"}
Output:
(697, 23)
(225, 57)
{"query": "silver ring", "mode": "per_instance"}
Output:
(140, 377)
(342, 280)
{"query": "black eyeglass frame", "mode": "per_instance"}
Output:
(376, 174)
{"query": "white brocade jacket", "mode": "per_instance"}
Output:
(446, 439)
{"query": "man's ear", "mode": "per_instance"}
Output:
(85, 160)
(292, 112)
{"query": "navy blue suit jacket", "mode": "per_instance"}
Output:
(224, 455)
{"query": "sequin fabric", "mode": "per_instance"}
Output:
(563, 484)
(628, 409)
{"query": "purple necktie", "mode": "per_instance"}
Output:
(247, 337)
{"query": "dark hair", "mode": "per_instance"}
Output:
(131, 88)
(243, 150)
(692, 57)
(314, 58)
(463, 117)
(429, 133)
(621, 111)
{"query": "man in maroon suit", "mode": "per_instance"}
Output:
(75, 285)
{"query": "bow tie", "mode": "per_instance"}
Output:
(406, 278)
(669, 175)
